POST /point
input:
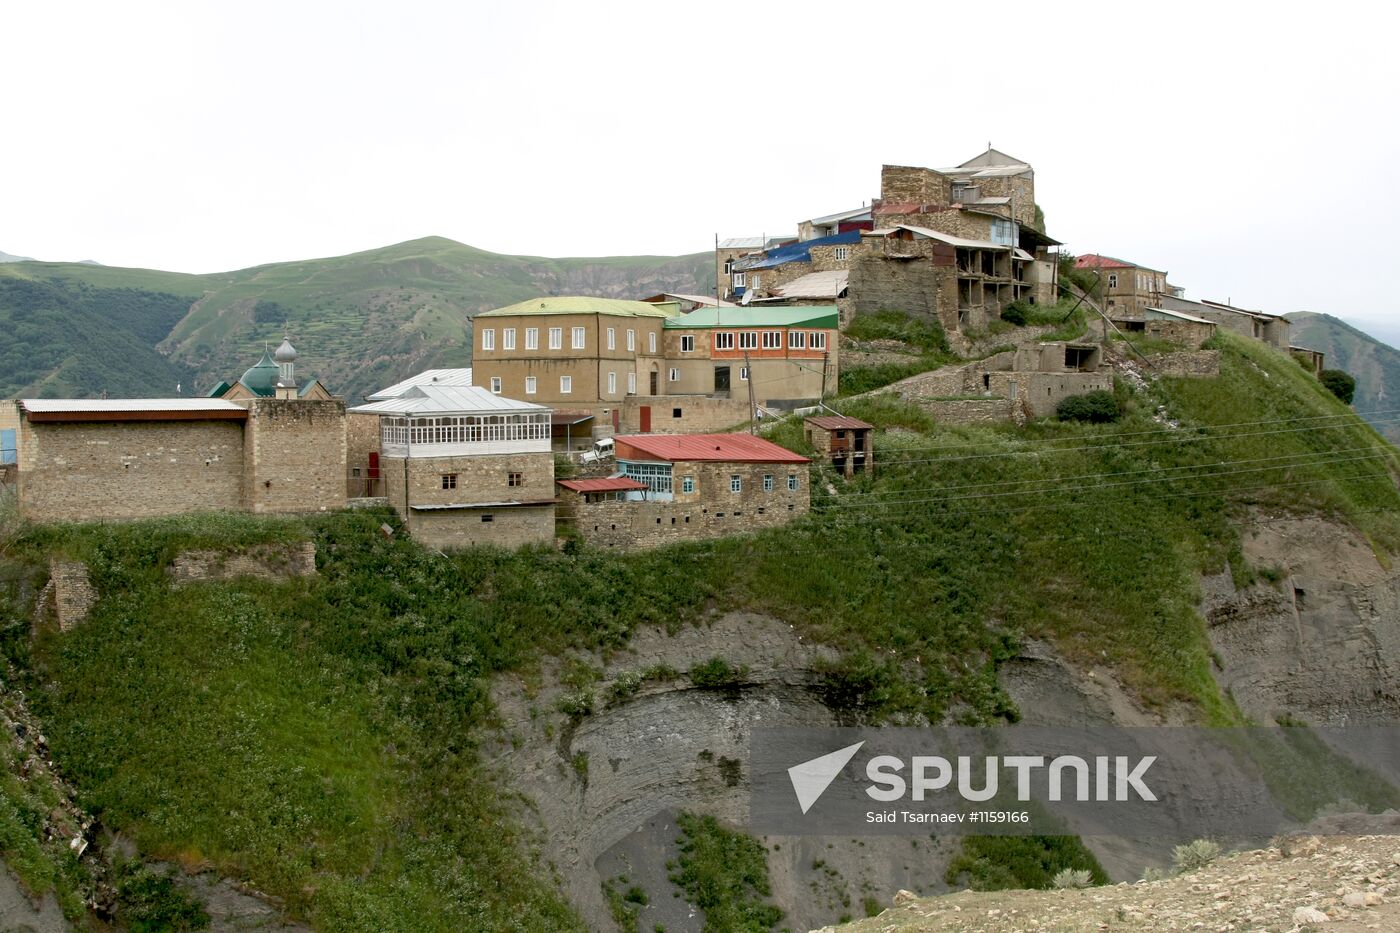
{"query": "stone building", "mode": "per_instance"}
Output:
(1314, 361)
(1266, 328)
(695, 486)
(687, 303)
(464, 466)
(846, 443)
(1175, 326)
(263, 378)
(115, 459)
(1127, 290)
(729, 251)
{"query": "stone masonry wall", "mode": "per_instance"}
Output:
(361, 439)
(122, 470)
(73, 592)
(266, 562)
(509, 527)
(295, 455)
(914, 286)
(698, 414)
(1042, 392)
(480, 479)
(911, 183)
(1188, 364)
(974, 411)
(1188, 333)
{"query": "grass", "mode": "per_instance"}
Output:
(318, 736)
(725, 874)
(995, 863)
(922, 337)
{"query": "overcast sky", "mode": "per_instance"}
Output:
(1248, 149)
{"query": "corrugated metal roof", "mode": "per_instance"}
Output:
(505, 503)
(441, 377)
(742, 242)
(824, 316)
(611, 484)
(581, 304)
(838, 423)
(952, 240)
(1180, 315)
(100, 405)
(852, 214)
(794, 252)
(448, 400)
(828, 284)
(1097, 261)
(562, 417)
(985, 171)
(735, 448)
(696, 299)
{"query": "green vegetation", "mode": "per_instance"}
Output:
(1098, 407)
(716, 674)
(1375, 365)
(624, 904)
(995, 863)
(1016, 313)
(725, 874)
(1195, 855)
(923, 338)
(1339, 384)
(151, 902)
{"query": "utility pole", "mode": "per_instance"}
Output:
(826, 361)
(753, 409)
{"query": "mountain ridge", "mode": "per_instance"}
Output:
(1373, 363)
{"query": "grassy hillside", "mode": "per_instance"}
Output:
(1375, 365)
(318, 736)
(360, 321)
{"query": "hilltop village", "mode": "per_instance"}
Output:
(632, 423)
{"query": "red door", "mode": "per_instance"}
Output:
(646, 418)
(617, 420)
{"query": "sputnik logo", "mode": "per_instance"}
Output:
(811, 778)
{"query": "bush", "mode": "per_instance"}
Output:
(1339, 384)
(1094, 407)
(151, 901)
(1018, 312)
(1195, 855)
(1072, 878)
(716, 674)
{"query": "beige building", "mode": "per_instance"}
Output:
(1127, 290)
(1267, 328)
(115, 459)
(464, 466)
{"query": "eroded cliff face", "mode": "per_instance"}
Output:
(1322, 643)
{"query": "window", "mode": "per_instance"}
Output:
(631, 383)
(675, 412)
(743, 373)
(578, 338)
(841, 253)
(797, 339)
(496, 384)
(515, 479)
(631, 340)
(655, 476)
(612, 383)
(529, 385)
(532, 338)
(612, 338)
(556, 338)
(508, 338)
(735, 483)
(738, 280)
(767, 482)
(687, 484)
(449, 481)
(728, 266)
(772, 340)
(488, 518)
(675, 374)
(8, 446)
(354, 471)
(688, 343)
(724, 341)
(818, 339)
(748, 340)
(1113, 280)
(566, 385)
(488, 339)
(756, 281)
(651, 343)
(792, 482)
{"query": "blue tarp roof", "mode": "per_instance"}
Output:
(796, 252)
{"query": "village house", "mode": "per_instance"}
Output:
(465, 466)
(846, 443)
(1163, 324)
(1266, 328)
(688, 303)
(729, 251)
(1314, 361)
(1127, 289)
(692, 486)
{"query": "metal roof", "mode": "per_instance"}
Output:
(952, 240)
(103, 405)
(611, 484)
(852, 214)
(1096, 261)
(697, 299)
(794, 252)
(506, 503)
(824, 316)
(754, 242)
(562, 417)
(733, 448)
(829, 284)
(581, 304)
(423, 401)
(454, 378)
(1180, 315)
(839, 422)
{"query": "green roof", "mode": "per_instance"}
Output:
(749, 316)
(580, 304)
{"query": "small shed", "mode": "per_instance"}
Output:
(846, 443)
(603, 489)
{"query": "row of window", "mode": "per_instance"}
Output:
(769, 339)
(449, 480)
(463, 429)
(578, 341)
(657, 478)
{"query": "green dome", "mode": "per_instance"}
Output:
(262, 378)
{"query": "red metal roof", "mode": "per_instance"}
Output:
(609, 484)
(733, 448)
(838, 423)
(1095, 261)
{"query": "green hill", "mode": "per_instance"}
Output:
(1375, 365)
(320, 737)
(360, 321)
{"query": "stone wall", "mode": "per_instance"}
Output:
(686, 414)
(73, 592)
(507, 527)
(974, 411)
(361, 439)
(100, 471)
(480, 482)
(1187, 333)
(265, 562)
(914, 184)
(1187, 363)
(1041, 393)
(915, 286)
(294, 452)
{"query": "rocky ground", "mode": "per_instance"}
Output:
(1305, 883)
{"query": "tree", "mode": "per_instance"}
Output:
(1095, 407)
(1339, 384)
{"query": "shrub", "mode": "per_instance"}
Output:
(1072, 878)
(1195, 855)
(1018, 312)
(1339, 383)
(1094, 407)
(151, 901)
(716, 673)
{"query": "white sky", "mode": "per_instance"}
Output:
(1248, 149)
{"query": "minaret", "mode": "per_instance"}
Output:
(286, 358)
